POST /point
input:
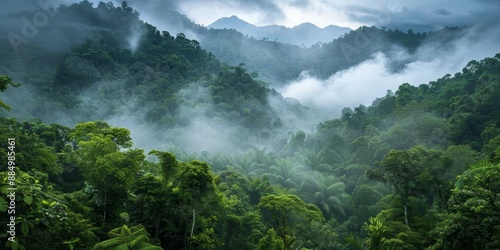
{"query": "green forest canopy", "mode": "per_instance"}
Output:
(417, 169)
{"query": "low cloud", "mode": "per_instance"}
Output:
(363, 83)
(441, 12)
(424, 16)
(136, 32)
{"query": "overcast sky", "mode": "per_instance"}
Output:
(402, 14)
(355, 85)
(422, 14)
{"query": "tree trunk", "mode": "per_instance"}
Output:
(105, 202)
(285, 242)
(194, 220)
(157, 227)
(192, 228)
(406, 215)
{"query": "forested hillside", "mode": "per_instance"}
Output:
(279, 62)
(304, 34)
(223, 161)
(127, 71)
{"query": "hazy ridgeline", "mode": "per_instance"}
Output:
(377, 139)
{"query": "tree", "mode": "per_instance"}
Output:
(151, 198)
(43, 217)
(5, 82)
(405, 94)
(410, 173)
(316, 161)
(418, 129)
(195, 184)
(473, 220)
(105, 166)
(130, 238)
(326, 192)
(243, 225)
(288, 211)
(270, 242)
(154, 192)
(375, 240)
(168, 164)
(191, 196)
(284, 173)
(245, 165)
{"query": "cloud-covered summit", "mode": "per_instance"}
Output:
(305, 34)
(421, 15)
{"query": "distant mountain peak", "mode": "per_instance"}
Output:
(303, 34)
(306, 24)
(231, 19)
(232, 22)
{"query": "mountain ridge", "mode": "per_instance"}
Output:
(240, 155)
(304, 34)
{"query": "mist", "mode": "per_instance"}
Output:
(364, 82)
(201, 128)
(198, 126)
(136, 32)
(265, 135)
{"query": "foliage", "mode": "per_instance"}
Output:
(103, 165)
(5, 82)
(473, 218)
(383, 176)
(376, 237)
(288, 211)
(127, 238)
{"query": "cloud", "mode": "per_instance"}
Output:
(300, 3)
(357, 85)
(421, 15)
(15, 6)
(441, 12)
(154, 9)
(259, 12)
(136, 32)
(424, 15)
(363, 83)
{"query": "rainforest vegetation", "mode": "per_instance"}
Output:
(221, 160)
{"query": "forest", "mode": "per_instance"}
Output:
(127, 137)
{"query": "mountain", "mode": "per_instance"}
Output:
(279, 63)
(120, 69)
(419, 168)
(305, 34)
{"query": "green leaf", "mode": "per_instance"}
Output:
(4, 205)
(14, 245)
(125, 216)
(151, 248)
(355, 242)
(71, 242)
(24, 228)
(122, 247)
(5, 106)
(28, 199)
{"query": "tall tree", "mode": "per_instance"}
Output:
(104, 163)
(195, 183)
(410, 173)
(5, 82)
(288, 211)
(473, 220)
(130, 238)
